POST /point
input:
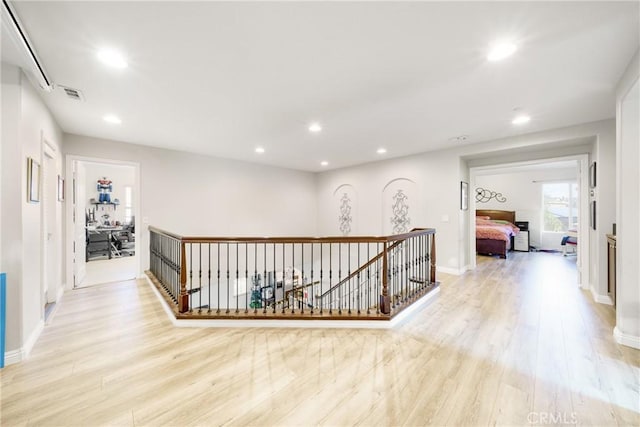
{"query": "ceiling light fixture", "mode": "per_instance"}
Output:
(315, 127)
(520, 120)
(110, 118)
(324, 163)
(112, 58)
(501, 51)
(259, 150)
(381, 150)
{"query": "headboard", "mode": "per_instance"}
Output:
(499, 215)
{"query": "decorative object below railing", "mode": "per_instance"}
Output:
(366, 278)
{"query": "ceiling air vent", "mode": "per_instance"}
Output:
(71, 93)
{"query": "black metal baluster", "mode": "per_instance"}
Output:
(265, 284)
(190, 277)
(209, 280)
(302, 301)
(330, 277)
(359, 283)
(340, 296)
(284, 280)
(293, 278)
(349, 275)
(321, 284)
(246, 278)
(200, 277)
(369, 279)
(218, 265)
(313, 295)
(275, 281)
(237, 276)
(255, 275)
(227, 309)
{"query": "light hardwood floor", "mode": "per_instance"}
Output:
(512, 343)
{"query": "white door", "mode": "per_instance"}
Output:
(51, 278)
(79, 222)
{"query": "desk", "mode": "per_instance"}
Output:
(100, 241)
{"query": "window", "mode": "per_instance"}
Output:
(128, 205)
(561, 206)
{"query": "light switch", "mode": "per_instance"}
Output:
(445, 218)
(145, 220)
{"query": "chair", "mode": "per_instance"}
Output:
(569, 241)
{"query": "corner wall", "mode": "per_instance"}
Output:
(627, 330)
(26, 122)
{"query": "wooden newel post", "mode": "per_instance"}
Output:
(183, 298)
(432, 277)
(385, 306)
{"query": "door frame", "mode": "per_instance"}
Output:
(584, 254)
(48, 149)
(70, 229)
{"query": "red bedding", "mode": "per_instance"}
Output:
(487, 229)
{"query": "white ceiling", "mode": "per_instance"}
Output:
(222, 78)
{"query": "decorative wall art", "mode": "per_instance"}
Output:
(345, 214)
(464, 195)
(60, 189)
(483, 196)
(400, 221)
(33, 181)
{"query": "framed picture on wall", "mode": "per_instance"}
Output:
(464, 195)
(60, 189)
(33, 181)
(592, 175)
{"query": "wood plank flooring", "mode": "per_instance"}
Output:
(513, 342)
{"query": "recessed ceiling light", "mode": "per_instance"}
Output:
(324, 163)
(520, 120)
(112, 58)
(259, 150)
(110, 118)
(501, 51)
(315, 127)
(381, 150)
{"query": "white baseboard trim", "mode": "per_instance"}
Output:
(602, 299)
(31, 341)
(626, 339)
(451, 270)
(60, 293)
(17, 356)
(277, 323)
(12, 357)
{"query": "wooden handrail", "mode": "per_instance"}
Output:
(330, 239)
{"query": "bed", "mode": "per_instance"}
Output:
(494, 238)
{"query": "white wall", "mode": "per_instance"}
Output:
(523, 191)
(121, 177)
(197, 195)
(438, 175)
(26, 122)
(627, 330)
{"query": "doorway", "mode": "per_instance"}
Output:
(102, 221)
(525, 183)
(51, 288)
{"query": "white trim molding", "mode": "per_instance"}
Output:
(276, 323)
(451, 270)
(28, 345)
(626, 339)
(12, 357)
(17, 356)
(602, 299)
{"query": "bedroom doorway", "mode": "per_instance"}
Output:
(101, 221)
(535, 192)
